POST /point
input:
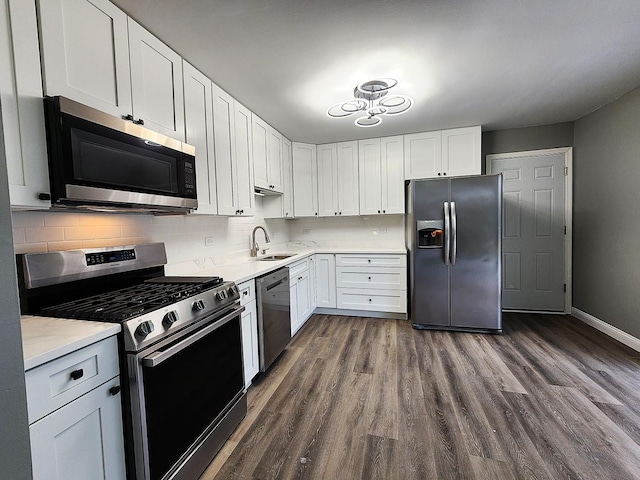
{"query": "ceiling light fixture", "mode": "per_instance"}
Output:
(372, 98)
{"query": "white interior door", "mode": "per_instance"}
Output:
(536, 214)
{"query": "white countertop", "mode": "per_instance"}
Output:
(251, 268)
(45, 339)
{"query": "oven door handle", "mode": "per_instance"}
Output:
(158, 357)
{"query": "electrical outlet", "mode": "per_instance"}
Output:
(208, 241)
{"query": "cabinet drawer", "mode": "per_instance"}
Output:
(247, 291)
(379, 278)
(378, 300)
(376, 260)
(295, 269)
(56, 383)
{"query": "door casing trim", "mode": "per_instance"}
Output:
(568, 205)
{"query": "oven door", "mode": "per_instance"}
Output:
(182, 390)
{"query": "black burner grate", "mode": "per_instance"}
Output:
(122, 304)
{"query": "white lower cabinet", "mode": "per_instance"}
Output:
(75, 414)
(325, 280)
(300, 294)
(249, 324)
(375, 282)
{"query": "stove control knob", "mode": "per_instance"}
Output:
(145, 328)
(198, 305)
(221, 295)
(233, 290)
(170, 318)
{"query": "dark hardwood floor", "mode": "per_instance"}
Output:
(364, 398)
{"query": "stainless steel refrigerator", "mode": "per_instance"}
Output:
(454, 242)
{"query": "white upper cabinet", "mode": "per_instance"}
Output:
(381, 175)
(85, 53)
(287, 183)
(327, 156)
(461, 151)
(305, 180)
(391, 158)
(234, 158)
(225, 152)
(94, 54)
(267, 155)
(370, 177)
(452, 152)
(243, 159)
(423, 155)
(347, 178)
(198, 113)
(156, 83)
(338, 192)
(260, 136)
(274, 161)
(22, 134)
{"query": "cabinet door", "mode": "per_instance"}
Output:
(274, 161)
(198, 117)
(85, 53)
(347, 178)
(249, 322)
(82, 440)
(244, 159)
(391, 149)
(293, 307)
(327, 185)
(326, 280)
(312, 284)
(260, 138)
(156, 83)
(304, 302)
(305, 180)
(287, 184)
(422, 155)
(225, 147)
(22, 142)
(370, 175)
(461, 151)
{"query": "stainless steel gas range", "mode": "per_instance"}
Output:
(180, 348)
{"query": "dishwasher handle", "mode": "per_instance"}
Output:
(279, 282)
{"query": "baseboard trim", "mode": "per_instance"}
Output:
(614, 332)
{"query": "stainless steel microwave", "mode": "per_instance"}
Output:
(105, 163)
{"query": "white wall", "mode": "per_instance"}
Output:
(184, 236)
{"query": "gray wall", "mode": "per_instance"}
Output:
(524, 139)
(15, 456)
(606, 221)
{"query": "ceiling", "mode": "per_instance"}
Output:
(495, 63)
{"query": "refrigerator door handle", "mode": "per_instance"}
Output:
(454, 233)
(447, 234)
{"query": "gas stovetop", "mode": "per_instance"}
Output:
(130, 302)
(124, 285)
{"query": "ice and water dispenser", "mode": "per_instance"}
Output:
(430, 233)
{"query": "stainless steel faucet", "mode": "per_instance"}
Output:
(254, 244)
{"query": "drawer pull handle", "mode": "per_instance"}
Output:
(114, 390)
(369, 299)
(369, 260)
(76, 374)
(369, 278)
(246, 292)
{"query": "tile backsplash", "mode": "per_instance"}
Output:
(198, 239)
(186, 237)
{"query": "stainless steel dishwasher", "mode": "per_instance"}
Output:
(274, 319)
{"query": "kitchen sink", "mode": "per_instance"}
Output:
(273, 258)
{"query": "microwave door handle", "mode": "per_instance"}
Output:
(447, 234)
(157, 358)
(454, 233)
